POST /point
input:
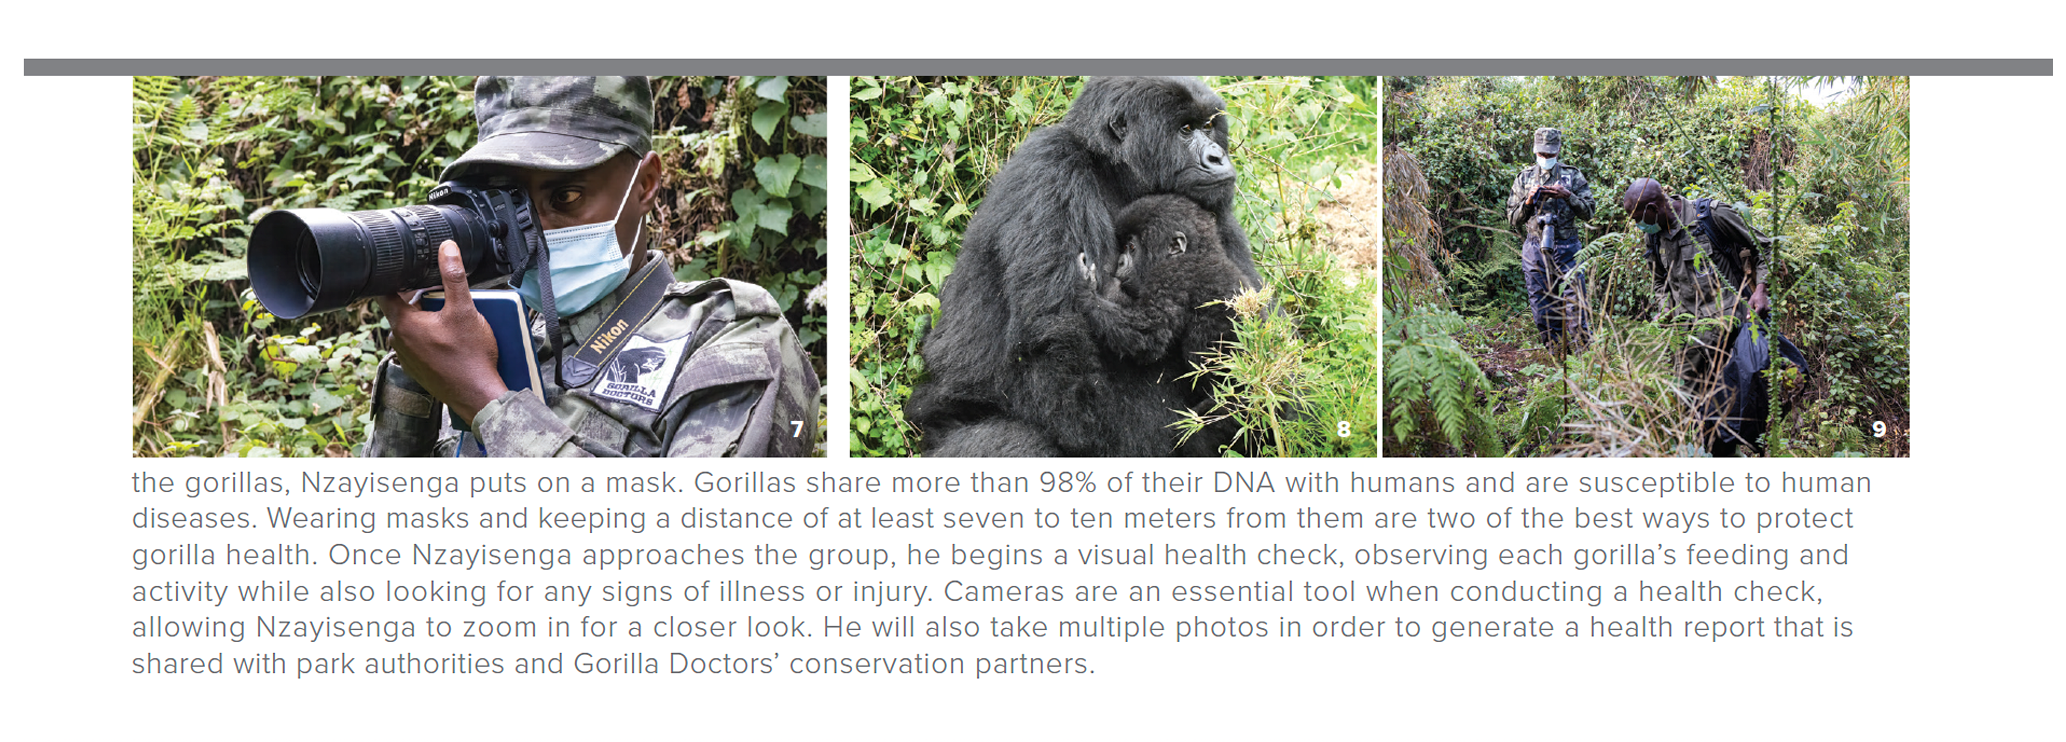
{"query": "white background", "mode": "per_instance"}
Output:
(1952, 584)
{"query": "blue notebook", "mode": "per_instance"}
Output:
(516, 358)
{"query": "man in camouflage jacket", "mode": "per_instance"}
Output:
(1709, 270)
(1558, 191)
(715, 371)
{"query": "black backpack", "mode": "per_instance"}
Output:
(1728, 257)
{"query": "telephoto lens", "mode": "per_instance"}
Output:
(305, 261)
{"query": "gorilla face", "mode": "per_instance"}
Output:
(1161, 135)
(1133, 256)
(1158, 228)
(1192, 149)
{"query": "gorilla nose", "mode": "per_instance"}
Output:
(1214, 160)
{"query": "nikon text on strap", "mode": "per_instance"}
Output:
(648, 288)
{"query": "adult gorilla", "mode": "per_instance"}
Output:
(1013, 366)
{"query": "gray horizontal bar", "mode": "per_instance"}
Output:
(1467, 67)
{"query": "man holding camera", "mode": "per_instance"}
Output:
(721, 371)
(1553, 196)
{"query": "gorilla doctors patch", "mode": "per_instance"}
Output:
(641, 373)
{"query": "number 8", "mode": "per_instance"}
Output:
(1342, 428)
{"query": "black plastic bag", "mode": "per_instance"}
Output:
(1750, 353)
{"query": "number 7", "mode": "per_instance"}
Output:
(796, 430)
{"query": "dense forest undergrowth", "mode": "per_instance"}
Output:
(1464, 371)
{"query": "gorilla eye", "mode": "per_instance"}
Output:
(1187, 128)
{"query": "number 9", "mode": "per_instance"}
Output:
(1879, 429)
(1341, 428)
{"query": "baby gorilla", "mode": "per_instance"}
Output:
(1124, 355)
(1171, 266)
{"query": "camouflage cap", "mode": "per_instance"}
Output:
(1549, 141)
(558, 123)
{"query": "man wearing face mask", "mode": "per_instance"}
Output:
(1707, 265)
(721, 372)
(1558, 192)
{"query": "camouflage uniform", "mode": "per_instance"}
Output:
(730, 380)
(1555, 311)
(1689, 282)
(716, 371)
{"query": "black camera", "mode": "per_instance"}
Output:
(304, 261)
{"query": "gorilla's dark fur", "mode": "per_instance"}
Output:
(1165, 302)
(1013, 369)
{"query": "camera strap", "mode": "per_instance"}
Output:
(648, 289)
(537, 257)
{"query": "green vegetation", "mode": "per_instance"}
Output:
(1464, 374)
(215, 375)
(924, 148)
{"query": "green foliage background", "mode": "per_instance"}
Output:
(924, 148)
(216, 375)
(1463, 372)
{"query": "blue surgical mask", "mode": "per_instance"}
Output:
(587, 264)
(1546, 162)
(1650, 228)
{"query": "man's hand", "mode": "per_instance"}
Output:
(1758, 302)
(451, 352)
(1556, 191)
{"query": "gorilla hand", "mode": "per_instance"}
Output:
(1139, 331)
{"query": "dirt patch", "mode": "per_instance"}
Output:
(1351, 219)
(1502, 362)
(1505, 347)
